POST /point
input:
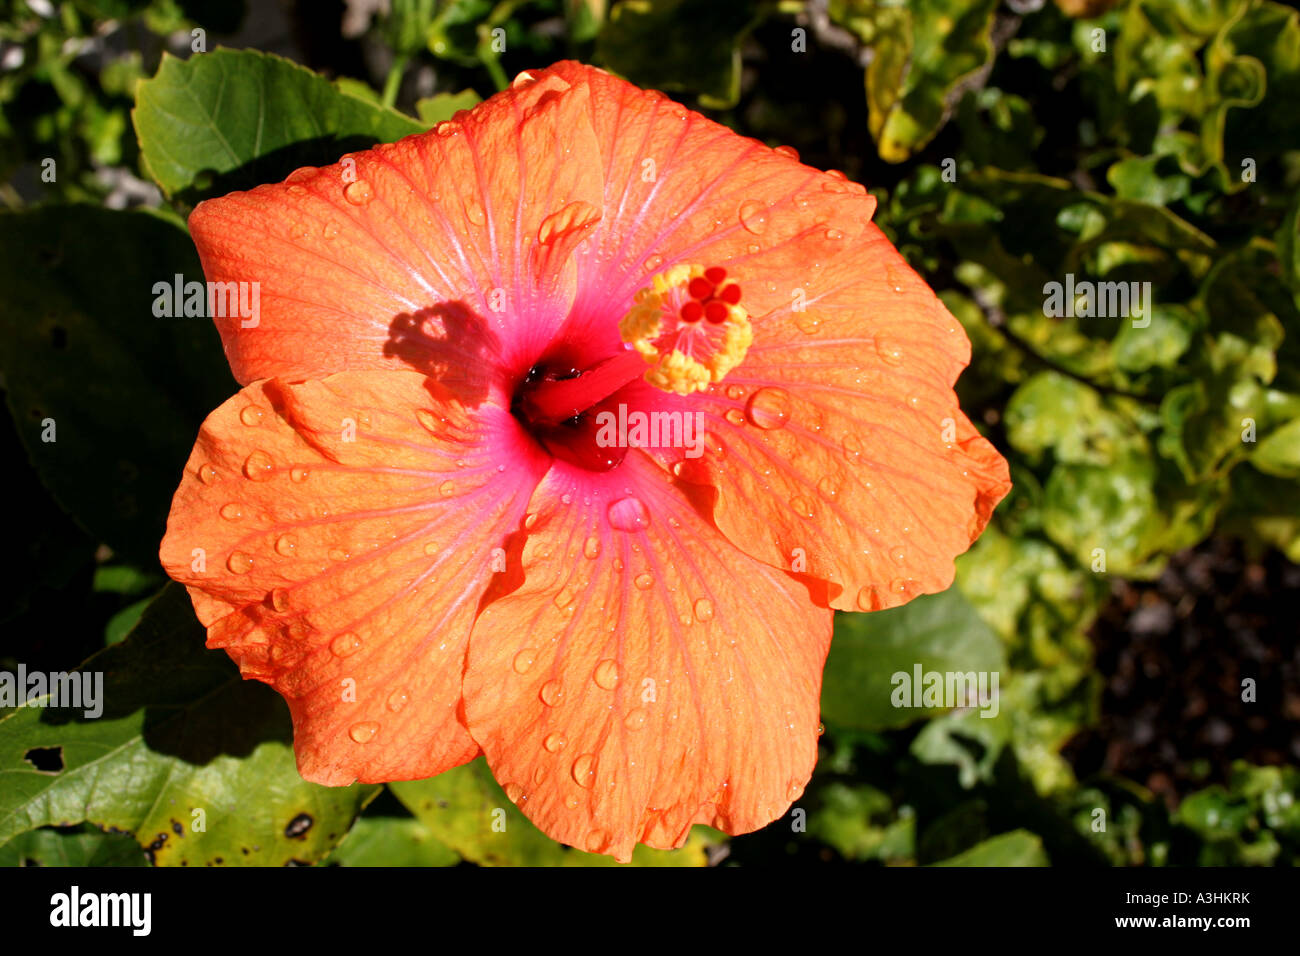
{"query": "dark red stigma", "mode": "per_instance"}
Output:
(709, 297)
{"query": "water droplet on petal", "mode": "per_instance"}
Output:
(789, 151)
(298, 230)
(279, 599)
(898, 554)
(628, 514)
(807, 322)
(345, 644)
(331, 230)
(513, 792)
(801, 507)
(753, 216)
(251, 415)
(735, 392)
(552, 693)
(287, 545)
(653, 263)
(358, 193)
(868, 599)
(889, 351)
(734, 416)
(554, 743)
(591, 548)
(447, 488)
(364, 732)
(397, 700)
(571, 802)
(596, 841)
(703, 610)
(474, 212)
(852, 447)
(232, 511)
(524, 660)
(239, 562)
(299, 474)
(769, 408)
(828, 488)
(606, 674)
(258, 466)
(635, 719)
(207, 474)
(644, 580)
(584, 770)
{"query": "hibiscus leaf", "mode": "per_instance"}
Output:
(685, 45)
(467, 810)
(106, 397)
(937, 632)
(179, 733)
(392, 841)
(232, 119)
(1017, 848)
(84, 845)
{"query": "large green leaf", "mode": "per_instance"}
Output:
(72, 846)
(1017, 848)
(80, 347)
(938, 633)
(392, 841)
(468, 811)
(232, 119)
(180, 733)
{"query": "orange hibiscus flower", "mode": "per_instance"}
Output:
(564, 428)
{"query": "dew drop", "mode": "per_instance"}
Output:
(299, 474)
(735, 392)
(807, 322)
(524, 660)
(734, 416)
(643, 581)
(653, 263)
(828, 488)
(703, 610)
(301, 174)
(554, 743)
(258, 466)
(801, 507)
(232, 511)
(834, 235)
(571, 802)
(889, 351)
(331, 230)
(298, 230)
(207, 474)
(606, 674)
(591, 548)
(345, 644)
(251, 415)
(428, 419)
(768, 408)
(898, 555)
(397, 700)
(635, 719)
(852, 447)
(552, 693)
(279, 599)
(628, 514)
(539, 775)
(447, 488)
(584, 770)
(513, 792)
(868, 599)
(286, 545)
(358, 193)
(754, 216)
(789, 151)
(596, 841)
(239, 562)
(474, 212)
(365, 731)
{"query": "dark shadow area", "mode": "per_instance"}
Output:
(451, 344)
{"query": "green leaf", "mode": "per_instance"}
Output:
(921, 51)
(443, 106)
(76, 846)
(687, 45)
(1017, 848)
(392, 841)
(936, 632)
(180, 732)
(467, 810)
(81, 349)
(232, 119)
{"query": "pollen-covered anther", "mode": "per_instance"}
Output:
(689, 325)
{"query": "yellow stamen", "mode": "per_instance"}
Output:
(687, 357)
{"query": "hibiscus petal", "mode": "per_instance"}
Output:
(422, 253)
(336, 537)
(646, 675)
(838, 448)
(680, 188)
